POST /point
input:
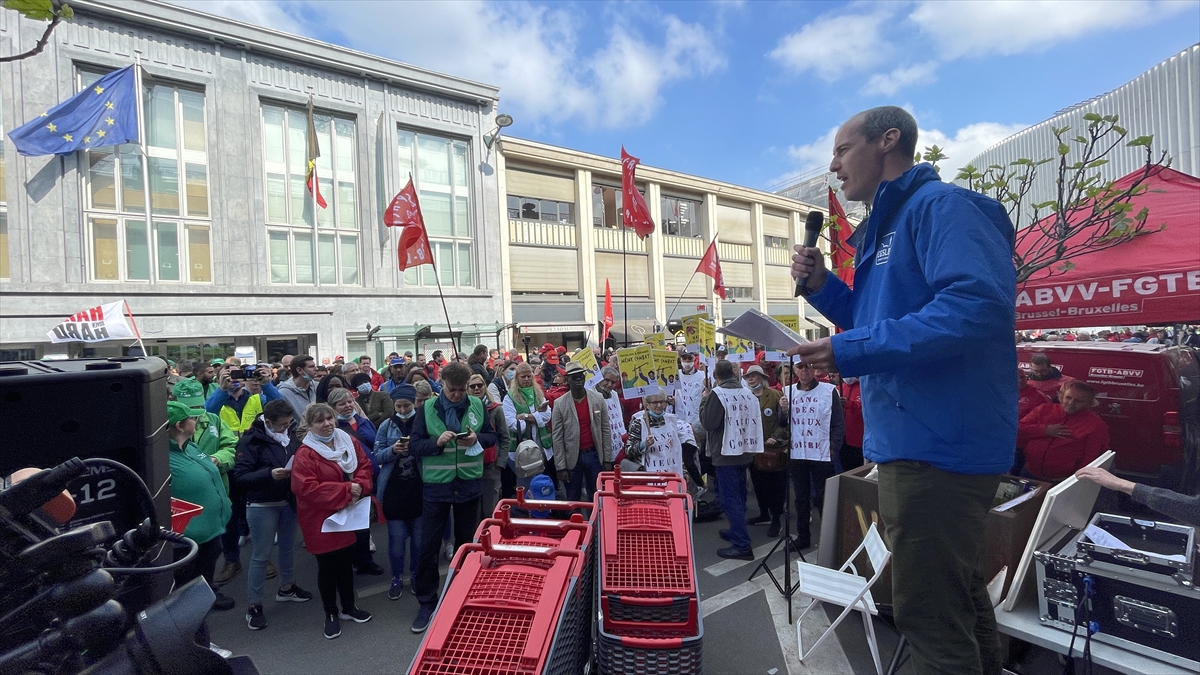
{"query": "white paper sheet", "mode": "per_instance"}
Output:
(1101, 537)
(356, 516)
(1019, 499)
(288, 466)
(758, 327)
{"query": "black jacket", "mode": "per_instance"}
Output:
(257, 454)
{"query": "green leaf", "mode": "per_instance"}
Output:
(1143, 214)
(1066, 266)
(1119, 129)
(1063, 149)
(1081, 140)
(1091, 117)
(40, 10)
(1140, 141)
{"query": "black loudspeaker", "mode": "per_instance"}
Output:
(51, 411)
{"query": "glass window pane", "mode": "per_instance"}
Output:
(193, 120)
(304, 258)
(460, 164)
(434, 158)
(87, 78)
(280, 274)
(273, 134)
(462, 217)
(327, 258)
(302, 203)
(435, 207)
(404, 150)
(197, 190)
(133, 186)
(167, 235)
(549, 211)
(445, 262)
(345, 148)
(530, 209)
(105, 263)
(4, 269)
(297, 143)
(465, 276)
(347, 210)
(350, 260)
(3, 176)
(325, 215)
(100, 180)
(276, 198)
(137, 251)
(514, 206)
(412, 276)
(164, 186)
(324, 127)
(160, 116)
(566, 212)
(199, 254)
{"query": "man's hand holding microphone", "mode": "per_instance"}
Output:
(810, 273)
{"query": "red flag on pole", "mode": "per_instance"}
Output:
(608, 311)
(839, 237)
(405, 212)
(636, 213)
(710, 264)
(314, 151)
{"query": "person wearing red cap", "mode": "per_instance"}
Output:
(558, 385)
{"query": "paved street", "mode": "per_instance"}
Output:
(745, 622)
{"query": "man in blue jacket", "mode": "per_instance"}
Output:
(928, 329)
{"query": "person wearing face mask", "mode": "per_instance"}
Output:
(611, 378)
(300, 391)
(768, 472)
(580, 434)
(261, 473)
(239, 402)
(817, 429)
(400, 488)
(376, 405)
(499, 386)
(658, 440)
(352, 422)
(330, 471)
(686, 406)
(492, 478)
(526, 413)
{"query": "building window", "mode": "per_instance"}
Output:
(546, 210)
(438, 166)
(147, 208)
(739, 292)
(606, 205)
(681, 217)
(775, 242)
(309, 245)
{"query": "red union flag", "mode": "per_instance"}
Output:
(839, 231)
(608, 311)
(405, 212)
(100, 323)
(636, 213)
(710, 264)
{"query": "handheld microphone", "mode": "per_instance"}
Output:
(39, 488)
(812, 228)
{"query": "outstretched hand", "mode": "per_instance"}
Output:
(818, 354)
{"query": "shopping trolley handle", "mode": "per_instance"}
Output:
(494, 550)
(550, 504)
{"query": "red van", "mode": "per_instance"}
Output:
(1150, 397)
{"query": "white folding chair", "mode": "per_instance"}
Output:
(846, 589)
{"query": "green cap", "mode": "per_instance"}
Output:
(189, 392)
(170, 363)
(177, 412)
(217, 362)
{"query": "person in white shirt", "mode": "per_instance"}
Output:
(816, 424)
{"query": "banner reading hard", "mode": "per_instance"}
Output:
(100, 323)
(637, 371)
(586, 358)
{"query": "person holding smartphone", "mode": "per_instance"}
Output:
(400, 487)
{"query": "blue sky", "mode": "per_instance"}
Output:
(750, 92)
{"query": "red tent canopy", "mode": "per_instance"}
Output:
(1153, 279)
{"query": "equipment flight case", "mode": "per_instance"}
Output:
(1143, 598)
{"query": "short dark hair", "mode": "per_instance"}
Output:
(480, 349)
(723, 370)
(877, 121)
(298, 364)
(457, 374)
(277, 409)
(1040, 359)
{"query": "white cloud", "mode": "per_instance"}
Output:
(832, 46)
(530, 51)
(904, 76)
(274, 15)
(1014, 26)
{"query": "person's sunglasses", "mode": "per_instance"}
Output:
(474, 386)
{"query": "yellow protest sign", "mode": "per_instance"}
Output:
(790, 320)
(586, 358)
(708, 338)
(637, 370)
(656, 340)
(739, 350)
(666, 369)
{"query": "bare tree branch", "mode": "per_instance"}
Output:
(41, 44)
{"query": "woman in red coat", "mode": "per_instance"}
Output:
(330, 471)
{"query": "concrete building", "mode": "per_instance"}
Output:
(564, 240)
(231, 255)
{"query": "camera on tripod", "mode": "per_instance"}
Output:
(58, 587)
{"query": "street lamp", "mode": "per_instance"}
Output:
(502, 120)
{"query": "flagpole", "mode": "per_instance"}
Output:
(136, 332)
(449, 326)
(624, 282)
(685, 288)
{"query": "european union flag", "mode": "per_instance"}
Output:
(103, 114)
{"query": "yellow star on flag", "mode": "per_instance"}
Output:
(67, 137)
(100, 133)
(87, 139)
(108, 105)
(51, 127)
(110, 121)
(44, 115)
(99, 90)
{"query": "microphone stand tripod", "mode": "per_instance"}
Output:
(787, 589)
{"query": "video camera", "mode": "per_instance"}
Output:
(58, 587)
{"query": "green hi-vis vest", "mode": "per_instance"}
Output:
(453, 461)
(543, 439)
(250, 413)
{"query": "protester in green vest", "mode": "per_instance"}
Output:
(448, 435)
(239, 402)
